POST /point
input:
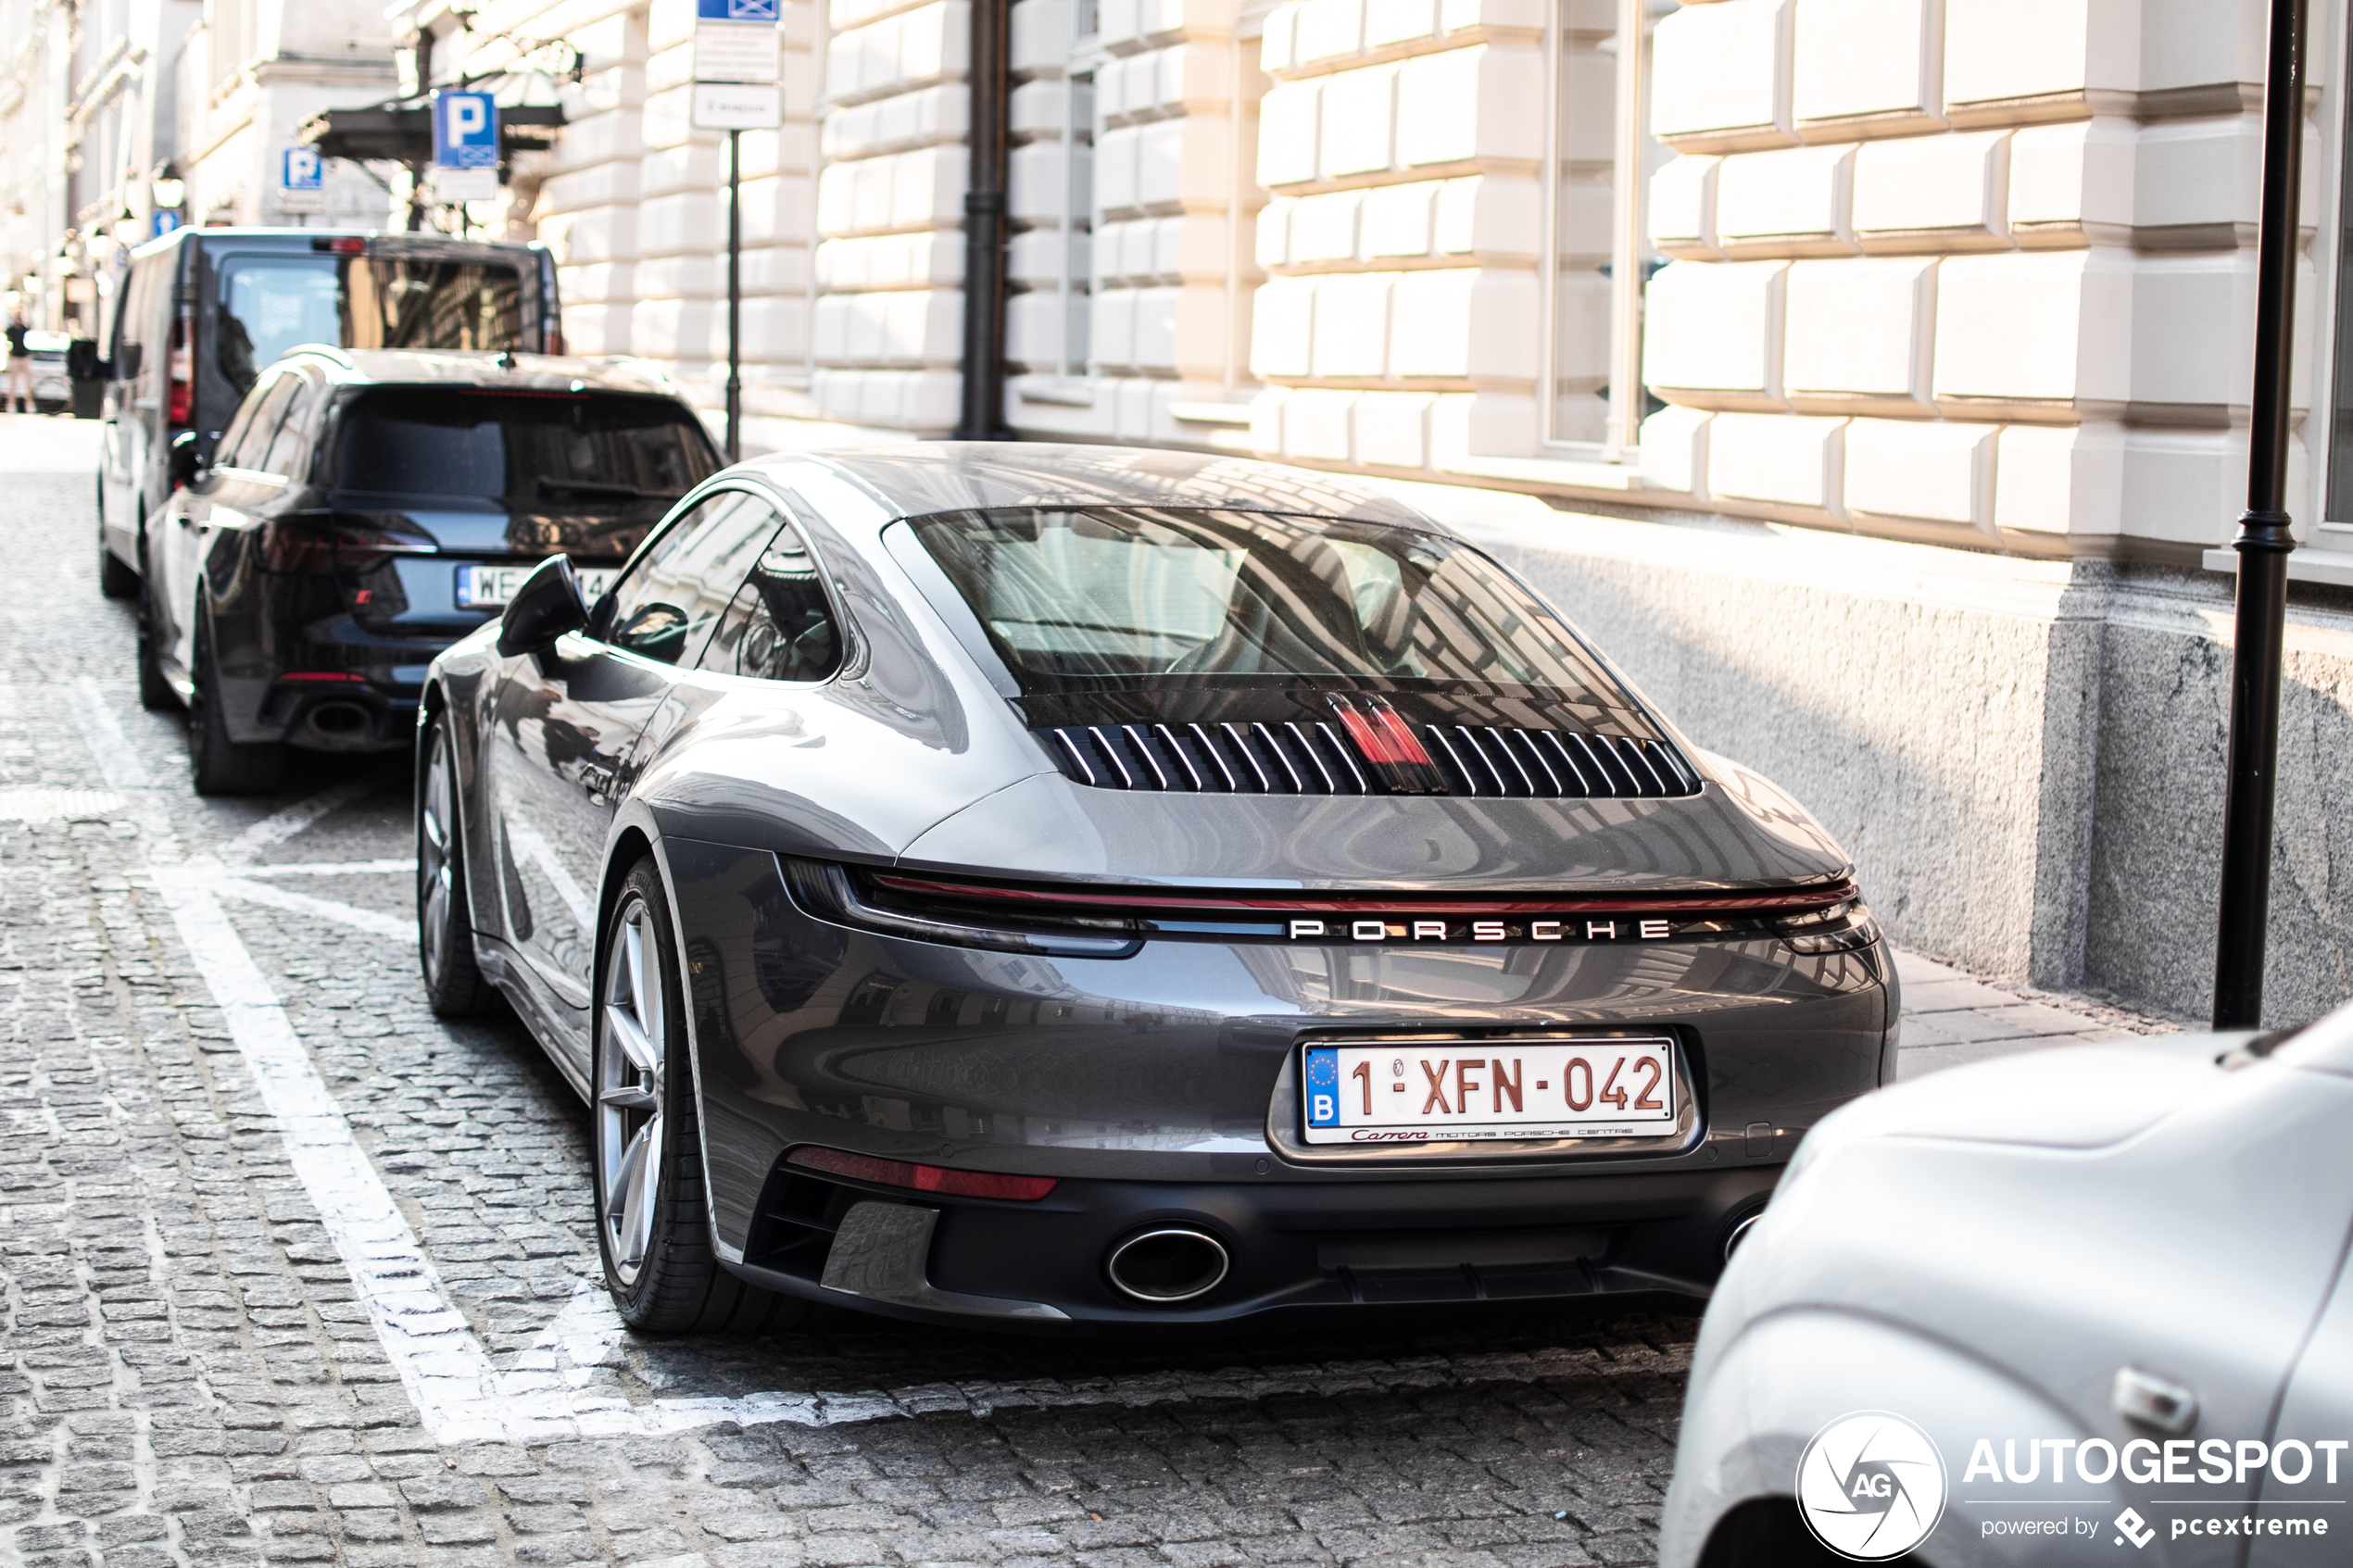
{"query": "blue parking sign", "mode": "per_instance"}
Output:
(465, 131)
(300, 170)
(736, 11)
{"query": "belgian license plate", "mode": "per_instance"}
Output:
(492, 587)
(1412, 1092)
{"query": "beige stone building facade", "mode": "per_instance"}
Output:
(1880, 367)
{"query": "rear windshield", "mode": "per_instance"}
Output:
(571, 447)
(1089, 600)
(269, 303)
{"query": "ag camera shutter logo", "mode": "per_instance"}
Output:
(1870, 1485)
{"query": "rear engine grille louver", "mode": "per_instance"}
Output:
(1316, 759)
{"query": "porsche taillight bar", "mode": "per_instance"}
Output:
(1773, 902)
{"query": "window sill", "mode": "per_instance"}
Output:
(2306, 563)
(1583, 474)
(1211, 413)
(1066, 394)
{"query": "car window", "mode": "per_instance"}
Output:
(666, 604)
(781, 625)
(289, 448)
(1104, 598)
(128, 314)
(270, 304)
(248, 438)
(580, 449)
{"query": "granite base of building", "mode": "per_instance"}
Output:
(2024, 757)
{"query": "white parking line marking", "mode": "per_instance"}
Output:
(118, 763)
(279, 826)
(322, 908)
(328, 867)
(49, 804)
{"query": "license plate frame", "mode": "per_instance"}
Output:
(492, 587)
(1615, 1084)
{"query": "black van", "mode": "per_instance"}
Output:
(203, 312)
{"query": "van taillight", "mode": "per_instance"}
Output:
(555, 341)
(179, 403)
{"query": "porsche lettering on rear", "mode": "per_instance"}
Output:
(1420, 929)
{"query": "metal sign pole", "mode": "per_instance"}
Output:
(739, 86)
(735, 296)
(2263, 543)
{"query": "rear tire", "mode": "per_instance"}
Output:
(116, 581)
(156, 694)
(454, 985)
(220, 765)
(653, 1214)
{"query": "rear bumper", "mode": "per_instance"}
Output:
(1302, 1252)
(1162, 1089)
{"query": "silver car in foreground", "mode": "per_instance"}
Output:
(2085, 1305)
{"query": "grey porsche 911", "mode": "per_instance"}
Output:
(1079, 888)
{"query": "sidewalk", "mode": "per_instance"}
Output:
(1951, 1017)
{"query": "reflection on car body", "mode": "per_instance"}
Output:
(981, 842)
(2105, 1283)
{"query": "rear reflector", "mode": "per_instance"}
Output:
(922, 1178)
(311, 675)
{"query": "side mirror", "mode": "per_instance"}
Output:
(186, 464)
(546, 607)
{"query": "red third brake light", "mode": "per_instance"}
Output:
(922, 1178)
(1381, 735)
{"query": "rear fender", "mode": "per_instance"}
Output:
(1749, 1416)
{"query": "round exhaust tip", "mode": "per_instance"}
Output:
(1740, 1234)
(1167, 1264)
(339, 718)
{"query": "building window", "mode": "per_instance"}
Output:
(1597, 256)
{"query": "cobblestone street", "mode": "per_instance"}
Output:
(260, 1213)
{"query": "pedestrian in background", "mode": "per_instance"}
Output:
(17, 382)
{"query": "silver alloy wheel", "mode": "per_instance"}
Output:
(629, 1085)
(437, 875)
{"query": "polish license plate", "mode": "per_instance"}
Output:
(493, 587)
(1446, 1090)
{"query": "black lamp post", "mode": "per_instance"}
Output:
(2263, 543)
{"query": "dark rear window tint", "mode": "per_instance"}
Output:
(270, 304)
(569, 448)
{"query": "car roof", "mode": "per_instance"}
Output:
(919, 478)
(482, 367)
(380, 242)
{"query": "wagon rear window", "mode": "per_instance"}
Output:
(1082, 600)
(541, 448)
